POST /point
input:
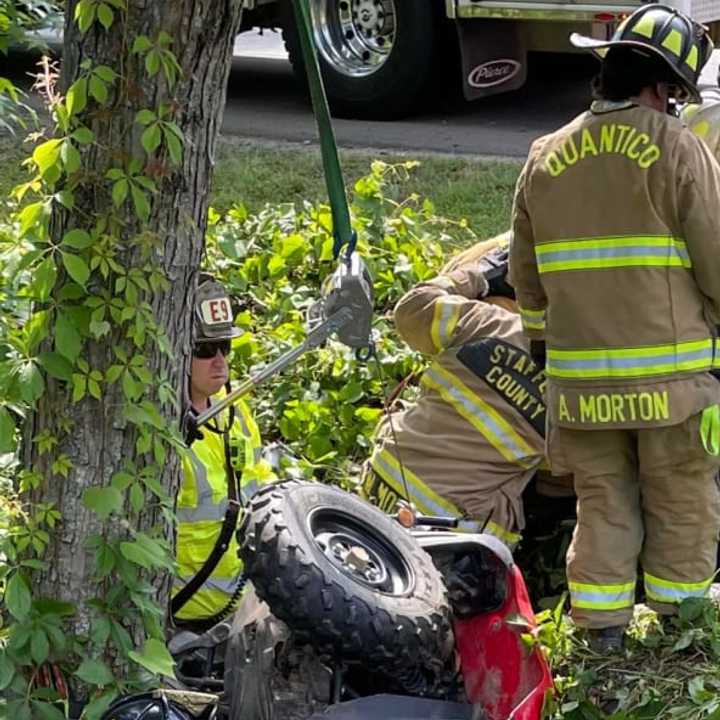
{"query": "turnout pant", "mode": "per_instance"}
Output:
(648, 495)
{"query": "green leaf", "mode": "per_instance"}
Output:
(119, 192)
(83, 136)
(95, 709)
(39, 646)
(94, 388)
(47, 711)
(145, 117)
(78, 239)
(17, 597)
(105, 15)
(98, 89)
(151, 138)
(7, 671)
(79, 387)
(155, 658)
(32, 383)
(44, 279)
(56, 365)
(141, 45)
(66, 199)
(121, 637)
(137, 554)
(99, 328)
(142, 206)
(46, 155)
(103, 501)
(105, 73)
(77, 96)
(174, 146)
(67, 337)
(76, 267)
(94, 672)
(7, 431)
(70, 157)
(152, 63)
(46, 606)
(31, 215)
(137, 497)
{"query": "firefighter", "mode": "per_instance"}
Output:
(616, 262)
(469, 445)
(704, 119)
(220, 468)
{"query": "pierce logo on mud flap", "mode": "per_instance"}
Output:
(216, 310)
(494, 72)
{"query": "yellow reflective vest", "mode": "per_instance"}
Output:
(704, 120)
(201, 506)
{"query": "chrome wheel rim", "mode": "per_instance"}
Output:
(354, 37)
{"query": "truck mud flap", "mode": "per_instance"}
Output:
(396, 707)
(493, 57)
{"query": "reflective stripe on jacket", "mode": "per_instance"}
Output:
(615, 258)
(469, 444)
(201, 506)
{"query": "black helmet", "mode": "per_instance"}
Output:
(213, 311)
(146, 706)
(681, 42)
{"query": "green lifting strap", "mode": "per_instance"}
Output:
(343, 231)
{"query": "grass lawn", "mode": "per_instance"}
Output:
(254, 175)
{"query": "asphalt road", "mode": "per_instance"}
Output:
(265, 103)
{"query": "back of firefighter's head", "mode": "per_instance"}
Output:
(213, 332)
(626, 72)
(656, 48)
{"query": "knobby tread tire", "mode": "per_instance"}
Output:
(331, 611)
(269, 677)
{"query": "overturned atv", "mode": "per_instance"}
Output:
(363, 616)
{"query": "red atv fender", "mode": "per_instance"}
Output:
(508, 680)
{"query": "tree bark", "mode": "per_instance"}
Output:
(95, 434)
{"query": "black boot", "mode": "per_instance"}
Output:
(607, 640)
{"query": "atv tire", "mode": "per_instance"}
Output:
(384, 605)
(268, 676)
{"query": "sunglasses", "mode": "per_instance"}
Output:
(207, 350)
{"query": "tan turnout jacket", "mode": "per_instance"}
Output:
(616, 263)
(475, 436)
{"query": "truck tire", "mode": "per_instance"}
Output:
(349, 581)
(376, 56)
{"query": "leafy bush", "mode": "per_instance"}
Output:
(668, 670)
(326, 406)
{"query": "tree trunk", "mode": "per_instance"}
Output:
(95, 434)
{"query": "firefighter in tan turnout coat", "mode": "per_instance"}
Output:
(616, 263)
(473, 440)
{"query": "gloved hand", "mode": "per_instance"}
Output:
(188, 426)
(494, 267)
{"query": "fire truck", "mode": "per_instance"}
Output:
(380, 57)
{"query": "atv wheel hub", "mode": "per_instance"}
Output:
(361, 553)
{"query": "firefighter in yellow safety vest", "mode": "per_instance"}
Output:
(470, 444)
(227, 454)
(616, 262)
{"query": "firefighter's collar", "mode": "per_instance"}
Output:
(600, 107)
